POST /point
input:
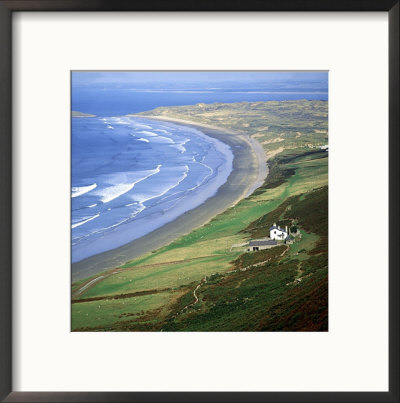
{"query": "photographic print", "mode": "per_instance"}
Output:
(199, 201)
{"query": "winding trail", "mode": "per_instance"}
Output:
(257, 264)
(204, 280)
(196, 298)
(87, 285)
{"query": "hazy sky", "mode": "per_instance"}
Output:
(197, 78)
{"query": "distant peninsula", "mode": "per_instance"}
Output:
(76, 114)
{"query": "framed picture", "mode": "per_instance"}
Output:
(199, 204)
(177, 183)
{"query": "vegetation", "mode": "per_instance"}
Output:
(199, 282)
(76, 114)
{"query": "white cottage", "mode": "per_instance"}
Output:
(276, 232)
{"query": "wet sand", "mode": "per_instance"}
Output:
(249, 172)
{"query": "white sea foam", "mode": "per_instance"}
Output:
(110, 127)
(161, 131)
(112, 192)
(80, 190)
(204, 179)
(145, 140)
(100, 230)
(162, 139)
(87, 219)
(144, 198)
(181, 147)
(121, 121)
(151, 134)
(140, 208)
(92, 205)
(168, 127)
(174, 203)
(142, 126)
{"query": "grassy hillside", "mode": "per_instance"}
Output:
(199, 282)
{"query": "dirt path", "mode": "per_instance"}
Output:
(87, 285)
(287, 248)
(300, 271)
(122, 296)
(196, 298)
(299, 277)
(90, 283)
(204, 280)
(257, 264)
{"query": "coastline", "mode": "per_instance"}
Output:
(248, 173)
(256, 146)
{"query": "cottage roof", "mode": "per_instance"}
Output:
(263, 243)
(289, 238)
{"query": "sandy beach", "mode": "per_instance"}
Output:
(249, 172)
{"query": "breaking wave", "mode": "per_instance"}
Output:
(77, 224)
(112, 192)
(80, 190)
(151, 134)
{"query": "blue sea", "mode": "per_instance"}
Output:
(132, 175)
(116, 102)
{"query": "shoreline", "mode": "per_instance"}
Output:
(246, 176)
(256, 146)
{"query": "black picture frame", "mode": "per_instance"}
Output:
(6, 10)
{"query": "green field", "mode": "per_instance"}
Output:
(199, 282)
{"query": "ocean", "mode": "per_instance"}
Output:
(117, 102)
(132, 175)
